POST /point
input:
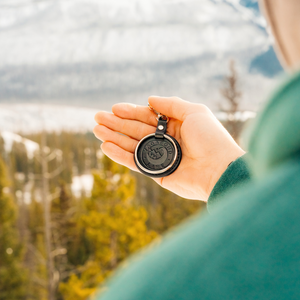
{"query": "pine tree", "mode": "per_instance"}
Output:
(19, 159)
(2, 148)
(115, 228)
(12, 273)
(35, 262)
(67, 238)
(233, 96)
(165, 209)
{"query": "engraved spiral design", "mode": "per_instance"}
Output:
(156, 154)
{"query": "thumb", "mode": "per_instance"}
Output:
(172, 107)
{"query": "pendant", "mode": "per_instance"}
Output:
(158, 154)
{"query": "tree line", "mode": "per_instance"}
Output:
(90, 235)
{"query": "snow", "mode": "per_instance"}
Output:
(247, 14)
(83, 183)
(10, 137)
(28, 118)
(86, 30)
(238, 116)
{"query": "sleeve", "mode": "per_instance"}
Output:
(236, 174)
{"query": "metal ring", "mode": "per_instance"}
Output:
(163, 117)
(152, 109)
(159, 171)
(159, 115)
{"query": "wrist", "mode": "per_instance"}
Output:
(220, 167)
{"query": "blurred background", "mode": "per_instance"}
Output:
(68, 215)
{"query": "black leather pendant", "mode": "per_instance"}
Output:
(158, 154)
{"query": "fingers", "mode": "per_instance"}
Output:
(122, 157)
(132, 128)
(172, 107)
(119, 155)
(107, 135)
(135, 112)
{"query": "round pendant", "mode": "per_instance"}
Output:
(157, 157)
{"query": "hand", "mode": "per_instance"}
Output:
(207, 148)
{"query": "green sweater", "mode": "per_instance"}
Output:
(248, 245)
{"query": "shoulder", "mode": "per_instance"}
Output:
(244, 250)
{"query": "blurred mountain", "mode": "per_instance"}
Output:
(98, 52)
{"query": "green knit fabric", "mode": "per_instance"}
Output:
(236, 174)
(248, 246)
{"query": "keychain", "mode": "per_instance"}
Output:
(158, 154)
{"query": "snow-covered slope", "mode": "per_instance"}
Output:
(9, 138)
(26, 118)
(95, 52)
(75, 31)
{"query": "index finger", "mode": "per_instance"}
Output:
(135, 112)
(172, 107)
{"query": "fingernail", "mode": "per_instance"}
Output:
(94, 131)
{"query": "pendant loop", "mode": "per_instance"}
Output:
(161, 128)
(158, 154)
(159, 115)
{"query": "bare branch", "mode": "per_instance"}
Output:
(57, 252)
(51, 156)
(53, 196)
(233, 97)
(54, 173)
(40, 282)
(37, 253)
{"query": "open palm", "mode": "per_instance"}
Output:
(207, 148)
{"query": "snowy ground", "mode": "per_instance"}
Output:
(82, 184)
(27, 118)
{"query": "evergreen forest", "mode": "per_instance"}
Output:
(61, 243)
